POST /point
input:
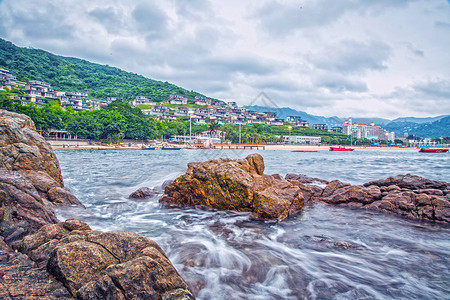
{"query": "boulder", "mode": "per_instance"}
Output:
(22, 148)
(407, 195)
(43, 259)
(98, 265)
(239, 185)
(143, 193)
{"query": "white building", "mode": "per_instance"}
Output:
(296, 139)
(365, 131)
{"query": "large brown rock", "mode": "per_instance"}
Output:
(407, 195)
(235, 185)
(66, 260)
(22, 148)
(97, 265)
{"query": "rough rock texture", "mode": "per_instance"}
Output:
(407, 195)
(22, 148)
(30, 179)
(143, 193)
(235, 185)
(67, 260)
(43, 259)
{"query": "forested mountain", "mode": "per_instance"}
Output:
(73, 74)
(436, 129)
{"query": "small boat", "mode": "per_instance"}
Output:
(340, 148)
(148, 148)
(304, 151)
(170, 148)
(433, 150)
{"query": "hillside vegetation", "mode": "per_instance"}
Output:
(73, 74)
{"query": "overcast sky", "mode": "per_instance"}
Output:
(360, 58)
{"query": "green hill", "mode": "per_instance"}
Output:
(73, 74)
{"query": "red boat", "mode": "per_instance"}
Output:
(304, 151)
(339, 148)
(433, 150)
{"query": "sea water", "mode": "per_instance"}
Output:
(323, 253)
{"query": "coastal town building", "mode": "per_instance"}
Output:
(177, 99)
(308, 140)
(277, 122)
(297, 121)
(366, 131)
(336, 129)
(202, 100)
(39, 89)
(320, 126)
(218, 103)
(7, 79)
(182, 111)
(143, 100)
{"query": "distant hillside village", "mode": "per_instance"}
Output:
(200, 110)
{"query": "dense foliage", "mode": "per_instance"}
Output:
(73, 74)
(120, 120)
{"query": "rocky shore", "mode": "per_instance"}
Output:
(41, 257)
(241, 185)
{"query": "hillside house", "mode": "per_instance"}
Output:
(182, 111)
(336, 129)
(270, 115)
(221, 112)
(143, 100)
(177, 99)
(232, 104)
(7, 79)
(37, 89)
(97, 104)
(23, 99)
(202, 100)
(203, 111)
(320, 126)
(218, 103)
(159, 110)
(277, 122)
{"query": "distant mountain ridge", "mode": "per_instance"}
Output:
(433, 127)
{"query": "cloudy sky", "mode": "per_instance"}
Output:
(365, 58)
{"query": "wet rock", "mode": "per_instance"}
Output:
(409, 196)
(94, 265)
(51, 260)
(302, 178)
(22, 148)
(22, 206)
(235, 185)
(143, 193)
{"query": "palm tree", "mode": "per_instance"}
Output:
(213, 128)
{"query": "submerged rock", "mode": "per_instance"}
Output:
(143, 193)
(239, 185)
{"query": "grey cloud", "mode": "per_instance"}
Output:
(46, 22)
(281, 18)
(150, 20)
(434, 89)
(110, 18)
(336, 83)
(353, 57)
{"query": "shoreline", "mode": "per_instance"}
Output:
(138, 146)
